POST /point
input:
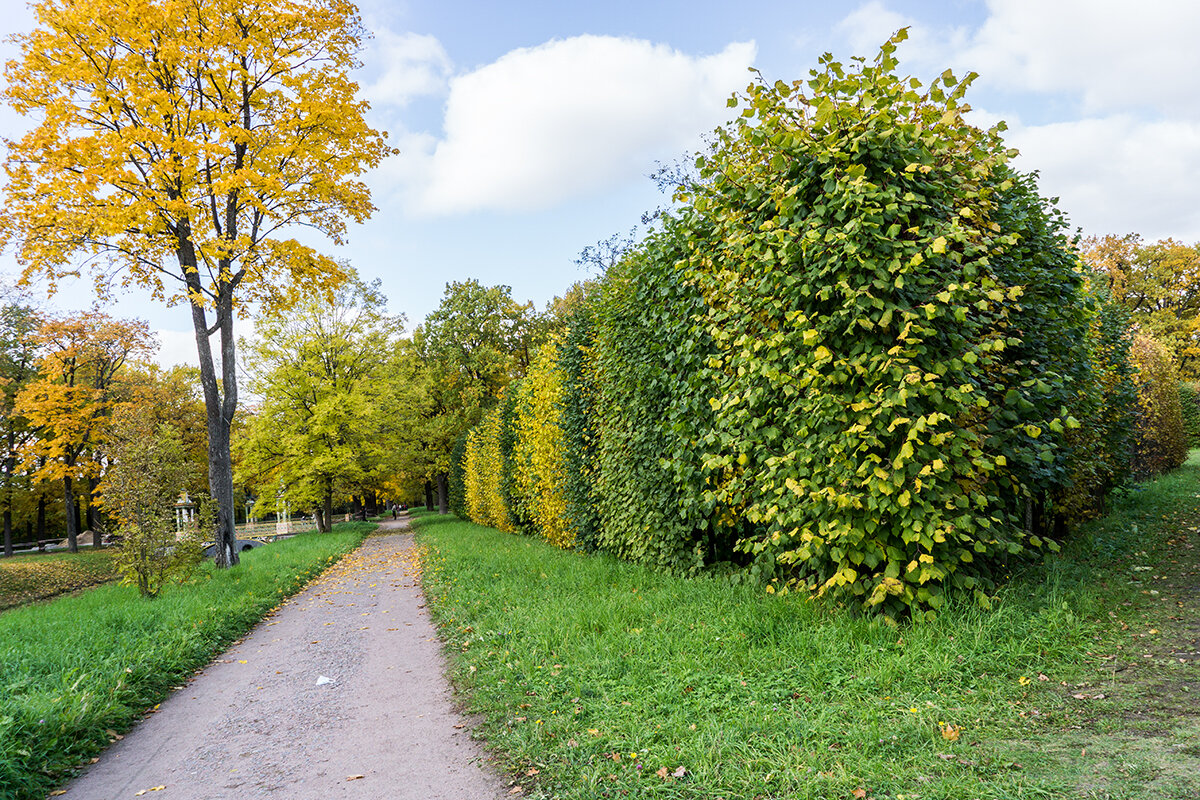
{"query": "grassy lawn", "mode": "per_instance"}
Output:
(77, 671)
(37, 576)
(596, 678)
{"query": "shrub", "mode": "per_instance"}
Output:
(1101, 449)
(898, 327)
(649, 351)
(577, 360)
(148, 467)
(456, 478)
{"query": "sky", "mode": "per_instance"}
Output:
(528, 130)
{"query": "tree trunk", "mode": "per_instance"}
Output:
(72, 516)
(93, 513)
(218, 410)
(10, 466)
(41, 517)
(328, 500)
(319, 517)
(443, 500)
(428, 496)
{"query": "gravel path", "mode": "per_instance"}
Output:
(339, 694)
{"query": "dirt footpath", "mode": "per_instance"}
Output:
(340, 694)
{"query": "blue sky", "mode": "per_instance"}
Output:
(528, 129)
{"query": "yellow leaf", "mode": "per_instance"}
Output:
(939, 244)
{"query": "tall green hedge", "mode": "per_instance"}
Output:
(1189, 407)
(857, 360)
(649, 352)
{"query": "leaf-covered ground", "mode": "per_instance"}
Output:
(77, 671)
(597, 678)
(28, 578)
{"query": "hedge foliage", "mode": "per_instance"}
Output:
(1189, 407)
(1161, 442)
(860, 359)
(483, 474)
(539, 457)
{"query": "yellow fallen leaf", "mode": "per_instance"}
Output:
(355, 777)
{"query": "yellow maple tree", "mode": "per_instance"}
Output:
(69, 404)
(175, 143)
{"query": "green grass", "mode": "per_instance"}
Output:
(79, 669)
(593, 675)
(38, 576)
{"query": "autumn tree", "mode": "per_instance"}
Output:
(322, 427)
(70, 403)
(175, 144)
(1159, 283)
(18, 354)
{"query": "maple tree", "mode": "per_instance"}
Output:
(176, 142)
(70, 403)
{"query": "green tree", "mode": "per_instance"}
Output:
(18, 357)
(175, 142)
(322, 428)
(469, 348)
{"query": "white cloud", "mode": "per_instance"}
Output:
(1113, 53)
(1118, 174)
(1119, 76)
(574, 115)
(176, 348)
(405, 66)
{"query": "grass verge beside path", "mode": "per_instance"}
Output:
(77, 671)
(597, 678)
(38, 576)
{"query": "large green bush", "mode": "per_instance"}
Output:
(577, 360)
(898, 327)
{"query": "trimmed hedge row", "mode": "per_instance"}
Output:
(860, 359)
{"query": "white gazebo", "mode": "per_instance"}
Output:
(185, 512)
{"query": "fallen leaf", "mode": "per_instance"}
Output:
(242, 661)
(355, 777)
(663, 773)
(58, 792)
(859, 793)
(679, 772)
(951, 732)
(516, 790)
(531, 772)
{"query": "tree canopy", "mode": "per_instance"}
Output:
(175, 143)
